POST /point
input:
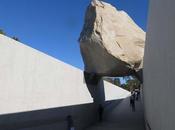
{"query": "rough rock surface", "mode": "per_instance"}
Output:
(111, 43)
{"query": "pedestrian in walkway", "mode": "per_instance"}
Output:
(132, 101)
(137, 93)
(100, 110)
(133, 105)
(70, 123)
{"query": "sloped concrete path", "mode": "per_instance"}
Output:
(121, 117)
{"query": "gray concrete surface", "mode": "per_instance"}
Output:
(159, 63)
(51, 119)
(31, 80)
(37, 91)
(121, 117)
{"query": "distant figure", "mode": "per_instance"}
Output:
(132, 101)
(137, 91)
(134, 95)
(131, 98)
(100, 110)
(133, 105)
(70, 123)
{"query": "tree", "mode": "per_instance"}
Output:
(126, 78)
(109, 79)
(125, 86)
(117, 82)
(113, 80)
(131, 84)
(15, 38)
(2, 32)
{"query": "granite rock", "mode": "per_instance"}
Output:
(111, 43)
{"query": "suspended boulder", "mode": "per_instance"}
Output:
(111, 43)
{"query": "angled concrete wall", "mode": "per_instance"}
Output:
(38, 91)
(37, 81)
(159, 63)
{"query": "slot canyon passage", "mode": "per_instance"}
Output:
(113, 45)
(39, 92)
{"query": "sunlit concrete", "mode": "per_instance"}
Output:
(33, 83)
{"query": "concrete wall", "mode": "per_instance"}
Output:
(38, 91)
(159, 63)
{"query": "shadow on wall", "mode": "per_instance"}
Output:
(95, 86)
(55, 118)
(83, 115)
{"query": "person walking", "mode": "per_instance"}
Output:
(132, 101)
(100, 110)
(70, 123)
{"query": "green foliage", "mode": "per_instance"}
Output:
(15, 38)
(113, 80)
(2, 32)
(117, 82)
(131, 84)
(126, 78)
(125, 86)
(109, 79)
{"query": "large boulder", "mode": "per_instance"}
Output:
(111, 43)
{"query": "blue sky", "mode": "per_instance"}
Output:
(53, 26)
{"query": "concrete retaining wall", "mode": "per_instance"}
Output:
(38, 91)
(159, 63)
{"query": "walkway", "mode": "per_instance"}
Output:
(121, 117)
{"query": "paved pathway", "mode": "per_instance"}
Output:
(121, 117)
